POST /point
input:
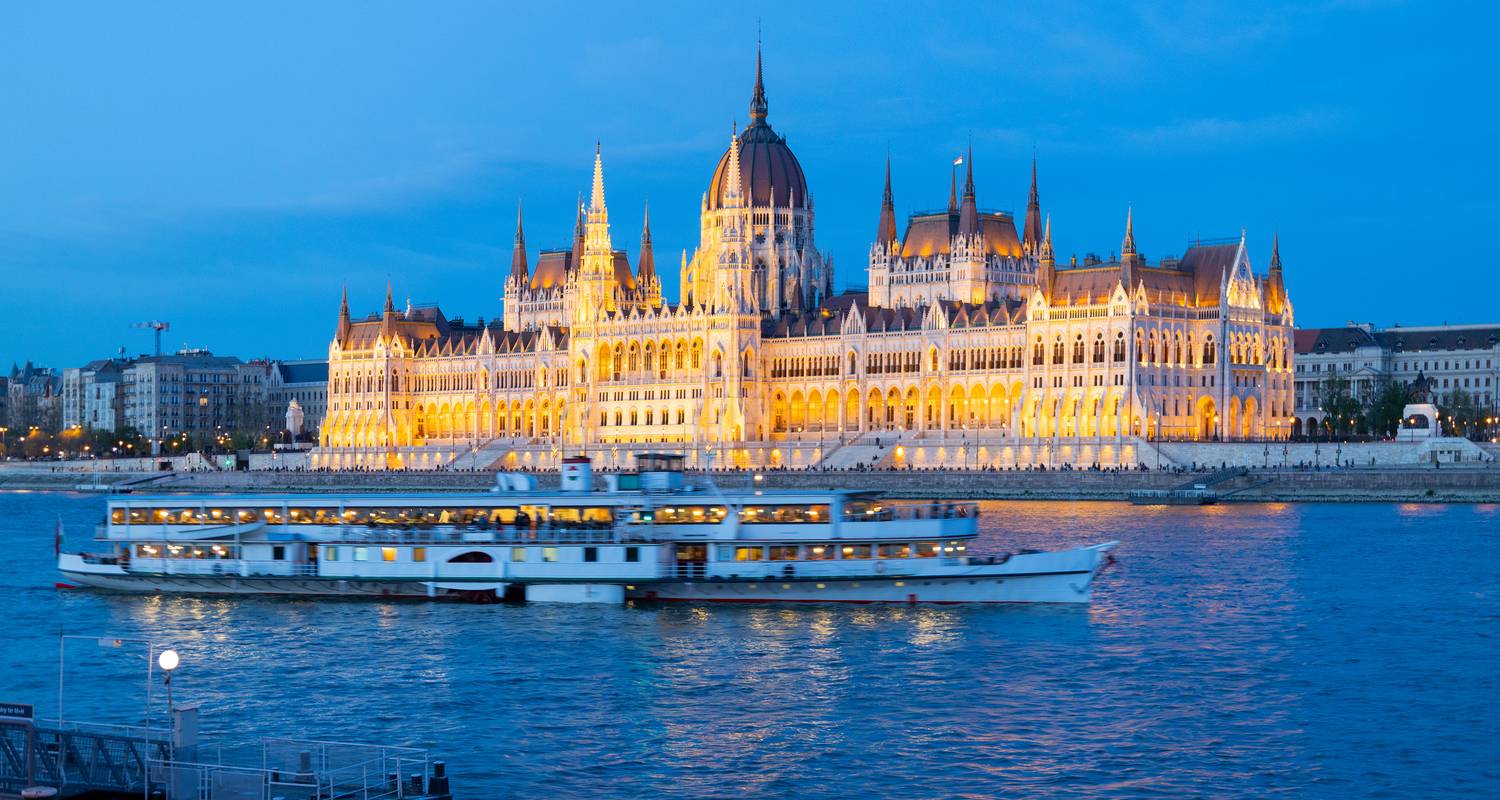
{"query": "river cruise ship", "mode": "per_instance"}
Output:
(649, 535)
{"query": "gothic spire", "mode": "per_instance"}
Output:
(1275, 288)
(390, 306)
(734, 189)
(1031, 231)
(578, 237)
(1046, 247)
(596, 199)
(953, 190)
(518, 269)
(758, 99)
(968, 213)
(646, 268)
(1128, 257)
(886, 233)
(342, 332)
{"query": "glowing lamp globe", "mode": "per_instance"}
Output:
(167, 660)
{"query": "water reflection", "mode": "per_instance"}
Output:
(1243, 650)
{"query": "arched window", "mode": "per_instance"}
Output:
(1078, 349)
(1099, 349)
(1038, 353)
(1057, 350)
(1208, 350)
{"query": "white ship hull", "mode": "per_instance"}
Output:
(1064, 588)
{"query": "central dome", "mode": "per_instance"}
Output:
(766, 163)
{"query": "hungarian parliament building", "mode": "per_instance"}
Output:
(972, 347)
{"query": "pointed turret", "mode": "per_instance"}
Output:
(578, 237)
(390, 305)
(596, 197)
(886, 233)
(518, 269)
(1275, 289)
(646, 268)
(734, 194)
(1031, 237)
(953, 190)
(1045, 252)
(758, 106)
(968, 212)
(342, 332)
(1129, 259)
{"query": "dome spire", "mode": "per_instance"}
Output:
(758, 99)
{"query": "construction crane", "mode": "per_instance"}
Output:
(155, 326)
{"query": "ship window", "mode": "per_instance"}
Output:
(854, 551)
(590, 554)
(330, 554)
(928, 549)
(758, 515)
(632, 554)
(387, 554)
(748, 554)
(782, 552)
(117, 516)
(686, 515)
(361, 554)
(419, 554)
(278, 553)
(502, 515)
(518, 554)
(549, 555)
(902, 550)
(819, 552)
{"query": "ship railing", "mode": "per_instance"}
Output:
(772, 571)
(913, 511)
(602, 534)
(221, 567)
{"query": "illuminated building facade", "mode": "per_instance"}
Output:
(972, 347)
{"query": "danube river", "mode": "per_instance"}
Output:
(1234, 651)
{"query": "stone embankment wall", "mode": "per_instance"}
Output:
(1405, 484)
(1446, 484)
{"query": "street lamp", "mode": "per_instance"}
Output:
(168, 661)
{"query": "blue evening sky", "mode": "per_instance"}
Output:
(228, 166)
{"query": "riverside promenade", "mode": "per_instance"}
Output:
(1477, 483)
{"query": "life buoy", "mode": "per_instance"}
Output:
(880, 567)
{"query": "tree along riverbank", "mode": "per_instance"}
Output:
(1405, 484)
